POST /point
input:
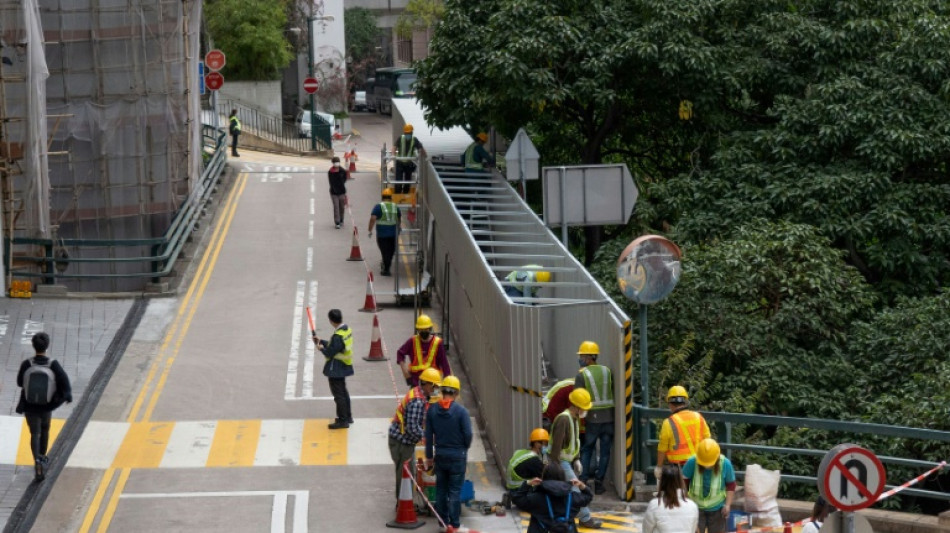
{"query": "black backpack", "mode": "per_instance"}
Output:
(560, 524)
(39, 383)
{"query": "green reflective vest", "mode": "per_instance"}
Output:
(404, 150)
(389, 214)
(234, 124)
(346, 356)
(470, 163)
(717, 493)
(573, 445)
(599, 383)
(513, 480)
(525, 277)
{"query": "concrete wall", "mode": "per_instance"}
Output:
(264, 95)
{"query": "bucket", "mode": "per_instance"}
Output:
(738, 521)
(468, 491)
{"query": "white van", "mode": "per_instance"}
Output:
(303, 122)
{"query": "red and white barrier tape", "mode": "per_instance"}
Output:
(911, 483)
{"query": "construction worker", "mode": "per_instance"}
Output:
(421, 351)
(680, 432)
(234, 128)
(449, 432)
(527, 278)
(407, 427)
(407, 145)
(556, 400)
(528, 463)
(712, 485)
(599, 424)
(338, 352)
(386, 215)
(476, 158)
(566, 445)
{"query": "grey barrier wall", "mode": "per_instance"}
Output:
(478, 230)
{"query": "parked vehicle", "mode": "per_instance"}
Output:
(359, 101)
(303, 121)
(369, 89)
(393, 83)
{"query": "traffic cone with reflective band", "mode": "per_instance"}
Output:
(353, 159)
(369, 305)
(405, 510)
(788, 528)
(355, 253)
(376, 344)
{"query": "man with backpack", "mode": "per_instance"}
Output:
(553, 502)
(45, 386)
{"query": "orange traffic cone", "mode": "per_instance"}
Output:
(355, 253)
(376, 344)
(353, 159)
(788, 528)
(405, 510)
(411, 215)
(369, 305)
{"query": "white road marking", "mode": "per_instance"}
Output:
(97, 446)
(309, 259)
(279, 443)
(309, 348)
(310, 230)
(290, 391)
(312, 207)
(278, 511)
(313, 186)
(367, 442)
(189, 445)
(10, 428)
(330, 398)
(278, 515)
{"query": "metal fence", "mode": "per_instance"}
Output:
(277, 130)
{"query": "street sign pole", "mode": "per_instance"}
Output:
(313, 124)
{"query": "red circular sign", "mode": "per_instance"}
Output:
(851, 478)
(310, 85)
(214, 80)
(215, 60)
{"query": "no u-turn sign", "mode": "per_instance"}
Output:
(850, 477)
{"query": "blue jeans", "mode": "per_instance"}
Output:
(569, 475)
(605, 434)
(449, 476)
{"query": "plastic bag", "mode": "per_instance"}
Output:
(761, 491)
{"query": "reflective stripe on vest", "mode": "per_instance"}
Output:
(414, 393)
(525, 276)
(687, 431)
(402, 145)
(716, 494)
(418, 365)
(346, 356)
(548, 396)
(470, 163)
(573, 437)
(513, 480)
(235, 122)
(388, 217)
(598, 383)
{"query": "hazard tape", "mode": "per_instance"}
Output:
(776, 529)
(524, 390)
(910, 483)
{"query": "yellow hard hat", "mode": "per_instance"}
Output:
(407, 128)
(431, 375)
(423, 322)
(387, 193)
(677, 394)
(588, 348)
(482, 136)
(581, 398)
(707, 453)
(451, 382)
(543, 276)
(539, 434)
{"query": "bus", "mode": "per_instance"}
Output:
(392, 82)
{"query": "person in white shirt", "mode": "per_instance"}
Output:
(819, 512)
(671, 511)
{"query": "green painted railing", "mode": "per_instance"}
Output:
(164, 250)
(645, 441)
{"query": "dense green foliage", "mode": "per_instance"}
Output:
(362, 37)
(251, 34)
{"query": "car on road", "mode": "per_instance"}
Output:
(303, 121)
(359, 101)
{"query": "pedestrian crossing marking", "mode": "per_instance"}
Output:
(612, 520)
(144, 445)
(25, 454)
(322, 445)
(235, 443)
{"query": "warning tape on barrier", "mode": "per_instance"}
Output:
(524, 390)
(911, 483)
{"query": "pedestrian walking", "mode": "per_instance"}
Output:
(566, 445)
(681, 432)
(712, 485)
(449, 432)
(476, 158)
(554, 502)
(819, 513)
(407, 146)
(421, 351)
(338, 351)
(44, 387)
(527, 463)
(671, 511)
(408, 424)
(337, 176)
(386, 215)
(527, 279)
(599, 424)
(234, 128)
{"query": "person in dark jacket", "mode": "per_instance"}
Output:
(234, 128)
(38, 417)
(338, 352)
(449, 429)
(337, 177)
(534, 495)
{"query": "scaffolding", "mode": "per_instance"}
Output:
(105, 148)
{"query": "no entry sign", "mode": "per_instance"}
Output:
(215, 60)
(214, 80)
(850, 477)
(310, 85)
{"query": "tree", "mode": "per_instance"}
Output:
(419, 14)
(362, 38)
(251, 34)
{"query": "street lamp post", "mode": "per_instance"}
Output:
(310, 58)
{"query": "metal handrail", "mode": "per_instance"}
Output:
(165, 249)
(276, 129)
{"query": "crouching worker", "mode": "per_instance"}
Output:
(526, 464)
(552, 501)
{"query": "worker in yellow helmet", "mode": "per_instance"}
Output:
(386, 215)
(476, 158)
(526, 281)
(407, 146)
(408, 424)
(681, 432)
(421, 351)
(711, 479)
(599, 424)
(565, 447)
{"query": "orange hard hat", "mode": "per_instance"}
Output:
(407, 128)
(482, 136)
(539, 434)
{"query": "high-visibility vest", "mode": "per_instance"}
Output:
(513, 480)
(548, 396)
(418, 364)
(400, 417)
(235, 123)
(346, 356)
(403, 151)
(525, 277)
(717, 494)
(389, 214)
(469, 158)
(599, 383)
(573, 436)
(688, 429)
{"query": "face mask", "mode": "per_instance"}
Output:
(336, 165)
(583, 414)
(424, 335)
(445, 402)
(581, 363)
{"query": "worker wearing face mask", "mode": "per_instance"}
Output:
(599, 424)
(423, 350)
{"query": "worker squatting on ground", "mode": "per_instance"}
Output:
(712, 485)
(528, 463)
(553, 502)
(407, 145)
(408, 424)
(338, 352)
(449, 431)
(476, 158)
(599, 423)
(421, 351)
(387, 217)
(527, 278)
(681, 431)
(566, 445)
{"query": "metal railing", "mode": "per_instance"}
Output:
(162, 251)
(646, 446)
(277, 130)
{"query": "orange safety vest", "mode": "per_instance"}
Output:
(414, 393)
(418, 365)
(688, 429)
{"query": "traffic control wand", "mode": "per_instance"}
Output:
(313, 330)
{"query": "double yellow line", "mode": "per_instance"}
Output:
(158, 372)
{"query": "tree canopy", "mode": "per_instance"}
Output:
(251, 34)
